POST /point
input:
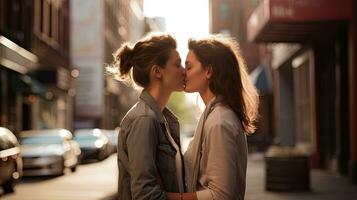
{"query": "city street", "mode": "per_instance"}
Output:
(98, 181)
(95, 181)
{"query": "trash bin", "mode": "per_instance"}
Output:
(287, 170)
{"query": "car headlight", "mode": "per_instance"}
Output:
(98, 143)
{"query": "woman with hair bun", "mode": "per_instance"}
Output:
(149, 156)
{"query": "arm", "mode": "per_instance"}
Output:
(141, 144)
(221, 169)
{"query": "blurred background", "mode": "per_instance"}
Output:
(60, 113)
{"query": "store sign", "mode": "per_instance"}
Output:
(310, 10)
(272, 19)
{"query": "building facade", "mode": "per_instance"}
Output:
(102, 101)
(35, 67)
(314, 68)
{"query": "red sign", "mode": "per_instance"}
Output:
(310, 10)
(272, 13)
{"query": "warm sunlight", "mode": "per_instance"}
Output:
(184, 19)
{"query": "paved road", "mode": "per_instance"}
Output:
(98, 181)
(95, 181)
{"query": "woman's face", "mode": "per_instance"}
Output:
(173, 73)
(196, 75)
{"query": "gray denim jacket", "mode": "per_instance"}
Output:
(145, 154)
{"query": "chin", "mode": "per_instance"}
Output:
(181, 89)
(188, 90)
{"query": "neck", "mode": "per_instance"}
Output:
(206, 96)
(161, 96)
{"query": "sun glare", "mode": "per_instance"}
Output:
(184, 19)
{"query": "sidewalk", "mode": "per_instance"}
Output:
(324, 186)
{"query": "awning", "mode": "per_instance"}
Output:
(15, 57)
(261, 79)
(296, 20)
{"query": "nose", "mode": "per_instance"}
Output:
(183, 70)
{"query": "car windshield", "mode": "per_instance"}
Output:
(87, 137)
(39, 140)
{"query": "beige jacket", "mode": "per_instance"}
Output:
(216, 159)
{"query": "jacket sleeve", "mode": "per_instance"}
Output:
(222, 170)
(141, 144)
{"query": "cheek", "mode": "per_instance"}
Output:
(173, 74)
(194, 79)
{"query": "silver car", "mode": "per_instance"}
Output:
(113, 137)
(48, 152)
(94, 144)
(10, 160)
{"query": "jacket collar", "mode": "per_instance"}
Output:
(150, 101)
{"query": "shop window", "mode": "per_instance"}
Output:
(302, 93)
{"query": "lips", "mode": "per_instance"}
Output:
(184, 82)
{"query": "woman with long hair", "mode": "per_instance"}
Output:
(216, 159)
(149, 157)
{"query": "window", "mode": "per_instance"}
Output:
(37, 16)
(45, 17)
(54, 23)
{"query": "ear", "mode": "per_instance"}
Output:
(156, 71)
(209, 72)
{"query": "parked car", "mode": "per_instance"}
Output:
(113, 137)
(49, 152)
(94, 144)
(10, 160)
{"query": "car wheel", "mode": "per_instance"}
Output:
(74, 168)
(61, 172)
(9, 186)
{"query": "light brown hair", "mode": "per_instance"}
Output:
(152, 50)
(230, 79)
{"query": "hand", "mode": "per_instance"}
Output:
(183, 196)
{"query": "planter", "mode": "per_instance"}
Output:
(287, 172)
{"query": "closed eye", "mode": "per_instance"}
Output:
(188, 66)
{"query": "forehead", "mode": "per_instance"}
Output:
(174, 55)
(191, 57)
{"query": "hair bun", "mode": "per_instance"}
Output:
(124, 57)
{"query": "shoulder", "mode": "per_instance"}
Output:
(224, 119)
(222, 115)
(139, 112)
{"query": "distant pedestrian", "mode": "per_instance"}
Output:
(149, 156)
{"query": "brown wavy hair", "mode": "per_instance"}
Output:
(230, 79)
(151, 50)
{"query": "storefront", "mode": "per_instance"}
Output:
(314, 77)
(31, 97)
(16, 85)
